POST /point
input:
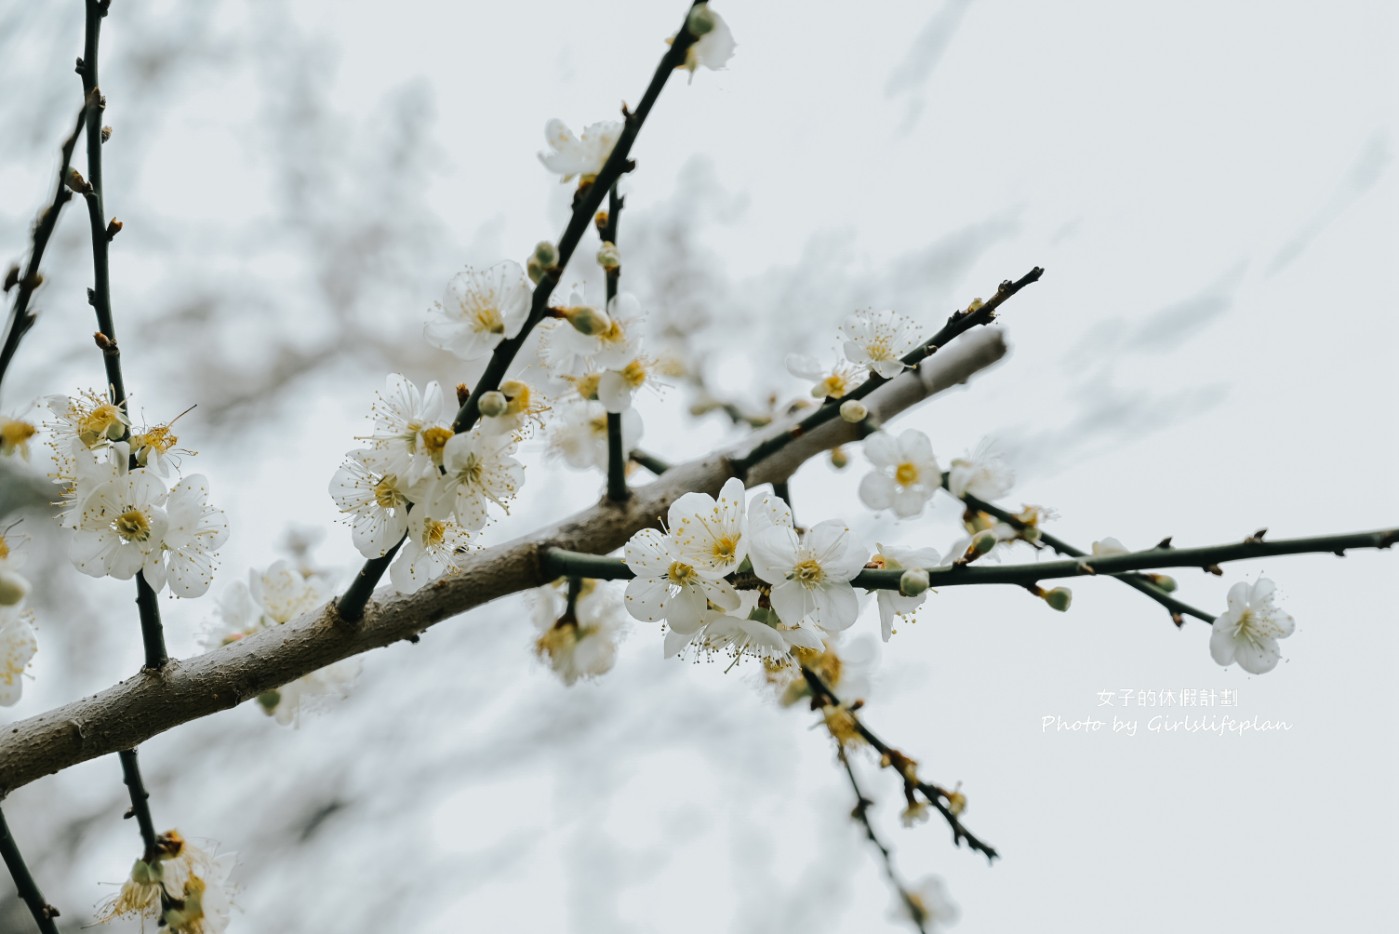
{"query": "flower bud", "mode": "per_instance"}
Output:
(144, 873)
(1059, 598)
(494, 404)
(546, 254)
(700, 21)
(587, 320)
(914, 581)
(839, 459)
(609, 257)
(1164, 581)
(982, 543)
(956, 802)
(853, 411)
(13, 588)
(534, 270)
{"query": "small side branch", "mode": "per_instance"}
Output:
(27, 281)
(616, 459)
(140, 801)
(861, 814)
(28, 889)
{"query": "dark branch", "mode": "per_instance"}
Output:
(140, 802)
(861, 814)
(27, 888)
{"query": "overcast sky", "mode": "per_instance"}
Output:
(1210, 188)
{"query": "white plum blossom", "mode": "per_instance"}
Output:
(768, 510)
(983, 474)
(269, 599)
(583, 155)
(616, 388)
(906, 474)
(89, 417)
(18, 643)
(579, 434)
(430, 551)
(479, 470)
(121, 529)
(832, 382)
(193, 531)
(879, 340)
(480, 310)
(891, 602)
(667, 587)
(569, 353)
(1249, 630)
(715, 45)
(927, 904)
(524, 411)
(582, 643)
(184, 887)
(811, 573)
(409, 427)
(374, 500)
(1107, 547)
(710, 533)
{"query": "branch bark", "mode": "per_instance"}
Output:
(131, 712)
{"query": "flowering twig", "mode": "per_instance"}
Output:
(25, 886)
(351, 604)
(558, 562)
(616, 459)
(939, 798)
(25, 283)
(861, 814)
(961, 321)
(131, 712)
(100, 295)
(1177, 608)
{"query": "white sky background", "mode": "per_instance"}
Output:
(1210, 189)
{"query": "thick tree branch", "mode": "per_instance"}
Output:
(123, 716)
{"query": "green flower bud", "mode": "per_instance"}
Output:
(13, 588)
(609, 257)
(1059, 598)
(700, 20)
(914, 582)
(587, 320)
(494, 404)
(982, 543)
(546, 254)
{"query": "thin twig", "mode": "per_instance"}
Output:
(1177, 608)
(961, 321)
(558, 562)
(140, 801)
(939, 798)
(861, 814)
(650, 462)
(27, 888)
(616, 460)
(21, 318)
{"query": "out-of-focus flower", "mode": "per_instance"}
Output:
(1249, 630)
(983, 473)
(18, 644)
(906, 474)
(582, 156)
(832, 382)
(580, 642)
(927, 904)
(715, 45)
(579, 434)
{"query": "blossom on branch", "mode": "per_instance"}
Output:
(578, 637)
(480, 310)
(581, 156)
(1249, 630)
(374, 500)
(715, 45)
(811, 573)
(18, 643)
(983, 474)
(879, 340)
(480, 469)
(579, 434)
(906, 475)
(411, 428)
(891, 602)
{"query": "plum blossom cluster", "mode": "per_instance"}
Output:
(579, 625)
(420, 480)
(127, 510)
(737, 576)
(269, 599)
(180, 886)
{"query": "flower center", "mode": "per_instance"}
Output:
(434, 440)
(681, 574)
(13, 432)
(133, 526)
(485, 316)
(808, 572)
(725, 547)
(833, 386)
(386, 493)
(103, 423)
(635, 374)
(587, 386)
(433, 533)
(906, 474)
